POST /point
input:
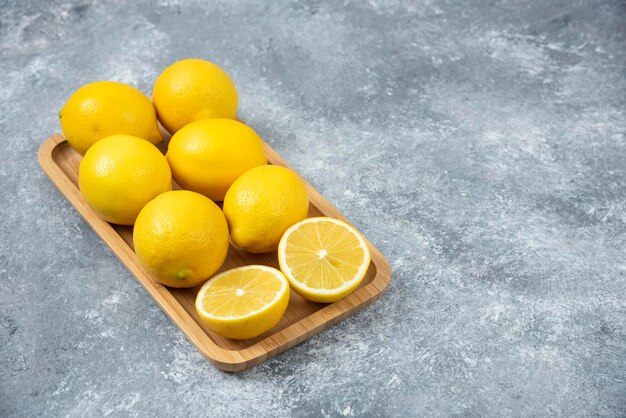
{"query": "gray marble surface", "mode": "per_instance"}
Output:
(481, 145)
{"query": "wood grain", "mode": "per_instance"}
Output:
(302, 319)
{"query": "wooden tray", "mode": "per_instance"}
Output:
(302, 319)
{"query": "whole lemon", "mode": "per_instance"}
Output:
(181, 238)
(193, 89)
(262, 204)
(120, 174)
(208, 155)
(105, 108)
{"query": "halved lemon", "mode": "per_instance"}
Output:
(243, 302)
(324, 259)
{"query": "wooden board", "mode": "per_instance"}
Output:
(302, 319)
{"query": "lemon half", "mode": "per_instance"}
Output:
(324, 259)
(243, 302)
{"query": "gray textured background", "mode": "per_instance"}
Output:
(480, 144)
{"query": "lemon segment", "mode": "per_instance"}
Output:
(323, 258)
(243, 302)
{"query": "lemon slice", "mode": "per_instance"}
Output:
(324, 259)
(243, 302)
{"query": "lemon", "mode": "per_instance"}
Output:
(105, 108)
(120, 174)
(262, 204)
(181, 238)
(324, 259)
(208, 155)
(193, 89)
(243, 302)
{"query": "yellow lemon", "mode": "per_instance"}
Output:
(181, 238)
(243, 302)
(193, 89)
(105, 108)
(262, 204)
(324, 259)
(208, 155)
(120, 174)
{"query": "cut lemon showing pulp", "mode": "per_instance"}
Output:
(243, 302)
(324, 259)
